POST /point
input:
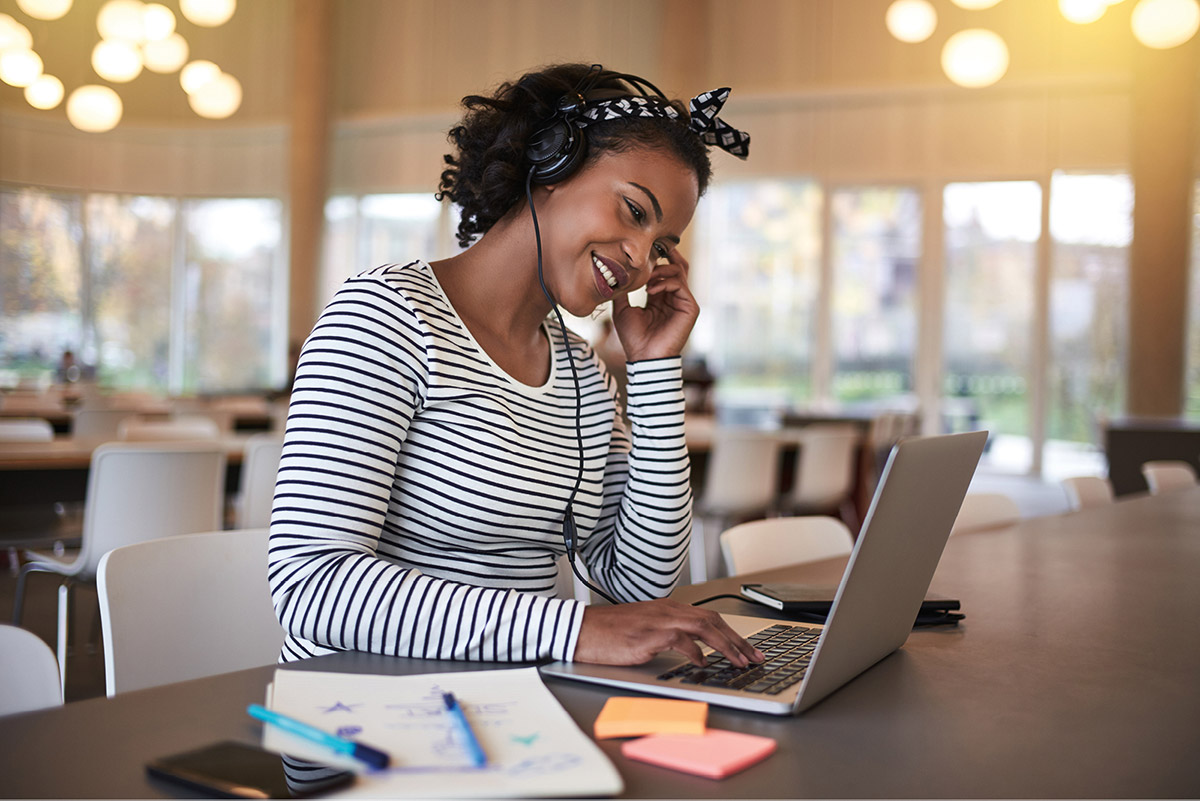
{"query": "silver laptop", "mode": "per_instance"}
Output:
(893, 561)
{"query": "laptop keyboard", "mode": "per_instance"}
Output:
(788, 650)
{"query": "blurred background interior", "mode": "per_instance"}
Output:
(978, 213)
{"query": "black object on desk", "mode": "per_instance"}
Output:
(812, 604)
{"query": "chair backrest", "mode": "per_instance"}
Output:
(143, 491)
(983, 511)
(1085, 492)
(136, 429)
(26, 429)
(182, 607)
(742, 472)
(99, 424)
(28, 672)
(825, 465)
(1167, 475)
(780, 541)
(259, 467)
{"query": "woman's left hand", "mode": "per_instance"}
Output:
(661, 328)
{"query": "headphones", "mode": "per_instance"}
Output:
(556, 149)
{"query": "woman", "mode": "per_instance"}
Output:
(442, 431)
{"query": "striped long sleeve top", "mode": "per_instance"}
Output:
(419, 501)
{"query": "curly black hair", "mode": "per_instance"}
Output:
(486, 174)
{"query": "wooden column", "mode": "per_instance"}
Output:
(1165, 89)
(312, 68)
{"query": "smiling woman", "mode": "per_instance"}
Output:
(447, 443)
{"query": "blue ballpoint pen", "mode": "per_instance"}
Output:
(364, 753)
(474, 749)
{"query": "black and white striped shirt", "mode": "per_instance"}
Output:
(418, 509)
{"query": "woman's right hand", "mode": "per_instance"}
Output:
(631, 634)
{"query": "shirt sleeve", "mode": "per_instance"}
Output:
(360, 380)
(638, 549)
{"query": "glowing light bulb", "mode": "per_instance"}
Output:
(1081, 12)
(207, 13)
(45, 92)
(1163, 24)
(975, 58)
(45, 9)
(975, 5)
(122, 19)
(94, 109)
(911, 20)
(165, 55)
(117, 61)
(218, 98)
(14, 35)
(158, 22)
(196, 74)
(20, 67)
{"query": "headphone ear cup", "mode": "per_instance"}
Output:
(555, 151)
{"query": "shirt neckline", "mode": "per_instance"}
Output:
(497, 369)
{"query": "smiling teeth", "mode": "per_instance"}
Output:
(604, 271)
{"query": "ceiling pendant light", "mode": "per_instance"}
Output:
(1163, 24)
(975, 5)
(165, 55)
(196, 74)
(45, 92)
(45, 9)
(117, 61)
(1082, 12)
(14, 35)
(158, 22)
(218, 98)
(911, 21)
(207, 13)
(20, 67)
(975, 58)
(94, 109)
(122, 19)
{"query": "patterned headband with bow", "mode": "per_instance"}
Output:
(703, 119)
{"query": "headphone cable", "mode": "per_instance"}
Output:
(569, 531)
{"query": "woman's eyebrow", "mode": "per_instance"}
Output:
(653, 200)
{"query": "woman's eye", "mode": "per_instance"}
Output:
(638, 214)
(660, 251)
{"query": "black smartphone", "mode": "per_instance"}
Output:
(236, 770)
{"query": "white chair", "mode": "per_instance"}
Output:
(136, 429)
(26, 429)
(135, 492)
(984, 511)
(98, 424)
(260, 464)
(186, 606)
(28, 672)
(781, 541)
(1168, 475)
(826, 462)
(741, 482)
(1086, 492)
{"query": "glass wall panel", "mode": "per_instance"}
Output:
(233, 253)
(1091, 224)
(1192, 377)
(992, 231)
(339, 258)
(876, 248)
(397, 229)
(760, 245)
(41, 283)
(130, 242)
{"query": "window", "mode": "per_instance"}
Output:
(41, 282)
(130, 242)
(875, 250)
(149, 292)
(991, 231)
(1091, 225)
(759, 243)
(229, 288)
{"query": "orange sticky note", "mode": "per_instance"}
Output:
(714, 754)
(634, 717)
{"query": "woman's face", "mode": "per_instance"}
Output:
(606, 227)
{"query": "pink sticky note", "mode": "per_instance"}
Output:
(714, 754)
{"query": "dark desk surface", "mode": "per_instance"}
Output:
(1075, 674)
